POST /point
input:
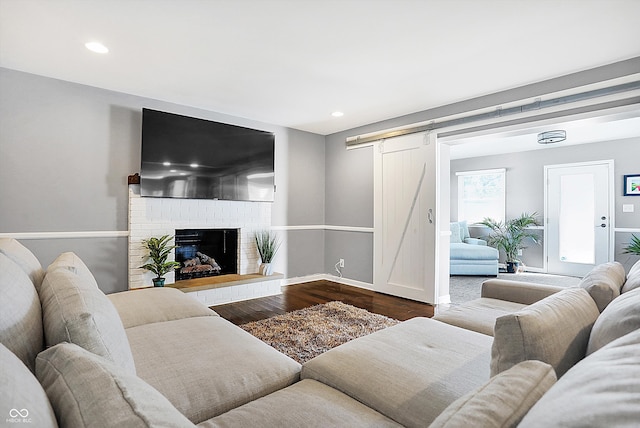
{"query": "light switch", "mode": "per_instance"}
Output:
(627, 208)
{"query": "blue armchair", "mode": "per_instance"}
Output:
(470, 256)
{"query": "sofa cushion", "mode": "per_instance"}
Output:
(23, 258)
(604, 283)
(308, 404)
(21, 394)
(600, 391)
(502, 401)
(458, 251)
(633, 278)
(75, 310)
(620, 317)
(206, 365)
(554, 330)
(409, 372)
(87, 390)
(157, 304)
(21, 320)
(478, 315)
(72, 262)
(455, 233)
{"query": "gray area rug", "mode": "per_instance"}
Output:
(464, 288)
(306, 333)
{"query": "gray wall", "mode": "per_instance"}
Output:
(66, 151)
(349, 182)
(525, 183)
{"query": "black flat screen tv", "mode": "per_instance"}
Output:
(186, 157)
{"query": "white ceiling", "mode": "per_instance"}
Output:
(294, 62)
(594, 130)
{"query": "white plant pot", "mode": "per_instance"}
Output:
(265, 269)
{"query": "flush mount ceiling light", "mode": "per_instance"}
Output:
(550, 137)
(97, 47)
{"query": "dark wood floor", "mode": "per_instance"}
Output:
(299, 296)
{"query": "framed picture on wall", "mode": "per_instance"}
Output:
(632, 185)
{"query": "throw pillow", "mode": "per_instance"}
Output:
(502, 401)
(633, 278)
(24, 402)
(604, 283)
(23, 258)
(72, 262)
(21, 319)
(464, 230)
(87, 390)
(74, 310)
(600, 391)
(554, 330)
(455, 233)
(620, 317)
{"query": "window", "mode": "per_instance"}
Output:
(481, 194)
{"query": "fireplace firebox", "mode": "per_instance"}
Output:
(206, 252)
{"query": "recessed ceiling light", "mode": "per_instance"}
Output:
(337, 114)
(194, 165)
(97, 47)
(166, 163)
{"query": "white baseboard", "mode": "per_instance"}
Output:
(444, 300)
(328, 277)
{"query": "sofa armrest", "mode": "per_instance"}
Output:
(525, 293)
(475, 241)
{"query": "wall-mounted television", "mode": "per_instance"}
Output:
(187, 157)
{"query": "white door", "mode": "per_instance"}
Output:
(578, 217)
(404, 217)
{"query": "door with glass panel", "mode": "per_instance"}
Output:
(578, 223)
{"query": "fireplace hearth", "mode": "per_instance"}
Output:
(206, 252)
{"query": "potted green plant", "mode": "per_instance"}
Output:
(633, 247)
(159, 250)
(509, 236)
(268, 244)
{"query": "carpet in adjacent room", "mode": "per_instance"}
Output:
(464, 288)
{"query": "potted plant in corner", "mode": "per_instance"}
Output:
(159, 250)
(633, 247)
(267, 243)
(510, 235)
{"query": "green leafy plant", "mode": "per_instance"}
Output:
(268, 245)
(633, 247)
(510, 235)
(159, 250)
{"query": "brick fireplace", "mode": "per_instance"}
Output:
(164, 216)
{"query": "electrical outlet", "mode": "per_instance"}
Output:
(341, 263)
(520, 252)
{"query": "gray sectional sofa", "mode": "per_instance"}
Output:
(73, 357)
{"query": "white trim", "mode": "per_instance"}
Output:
(482, 171)
(325, 227)
(66, 235)
(328, 277)
(626, 230)
(444, 300)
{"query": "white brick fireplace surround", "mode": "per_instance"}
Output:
(162, 216)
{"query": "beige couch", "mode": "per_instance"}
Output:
(73, 357)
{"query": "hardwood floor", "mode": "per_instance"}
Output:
(299, 296)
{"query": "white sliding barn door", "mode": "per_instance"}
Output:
(404, 217)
